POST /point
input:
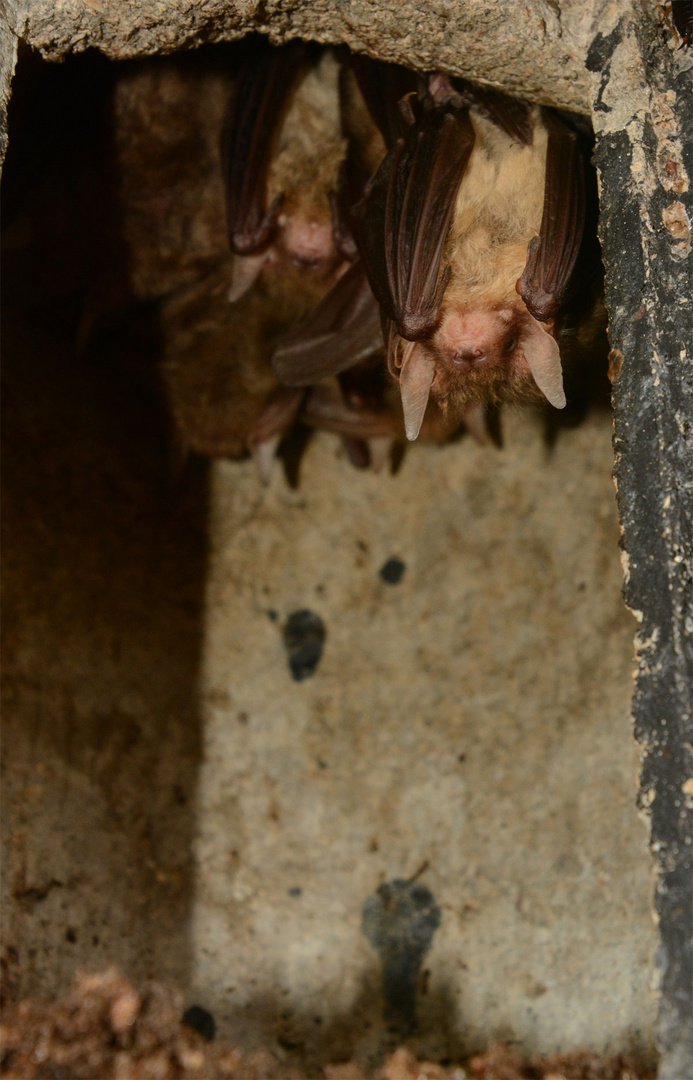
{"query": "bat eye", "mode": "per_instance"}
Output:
(511, 345)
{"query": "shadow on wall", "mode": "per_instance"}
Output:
(104, 553)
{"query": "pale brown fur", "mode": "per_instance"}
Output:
(497, 212)
(216, 374)
(167, 115)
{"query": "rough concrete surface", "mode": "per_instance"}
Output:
(103, 564)
(472, 718)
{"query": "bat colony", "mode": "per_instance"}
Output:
(407, 252)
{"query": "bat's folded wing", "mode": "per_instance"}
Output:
(343, 330)
(264, 89)
(402, 222)
(552, 256)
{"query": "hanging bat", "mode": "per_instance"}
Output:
(473, 234)
(220, 392)
(282, 149)
(476, 239)
(343, 336)
(280, 154)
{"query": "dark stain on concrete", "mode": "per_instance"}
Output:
(399, 920)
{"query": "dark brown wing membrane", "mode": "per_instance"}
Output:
(373, 98)
(279, 412)
(343, 330)
(264, 87)
(402, 222)
(383, 87)
(325, 408)
(551, 256)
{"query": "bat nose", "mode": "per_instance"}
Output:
(467, 355)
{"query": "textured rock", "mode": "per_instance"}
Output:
(469, 723)
(643, 116)
(536, 50)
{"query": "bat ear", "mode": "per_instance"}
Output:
(540, 350)
(416, 376)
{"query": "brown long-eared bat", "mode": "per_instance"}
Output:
(476, 234)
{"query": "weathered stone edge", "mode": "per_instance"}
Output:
(643, 167)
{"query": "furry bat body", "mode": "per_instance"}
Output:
(282, 150)
(473, 236)
(466, 251)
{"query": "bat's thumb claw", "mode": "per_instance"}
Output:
(416, 376)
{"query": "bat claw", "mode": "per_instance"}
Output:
(474, 419)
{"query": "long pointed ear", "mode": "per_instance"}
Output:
(401, 223)
(343, 330)
(264, 88)
(416, 376)
(551, 256)
(540, 350)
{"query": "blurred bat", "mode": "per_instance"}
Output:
(220, 392)
(282, 150)
(280, 155)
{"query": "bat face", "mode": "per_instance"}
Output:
(282, 149)
(487, 356)
(476, 350)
